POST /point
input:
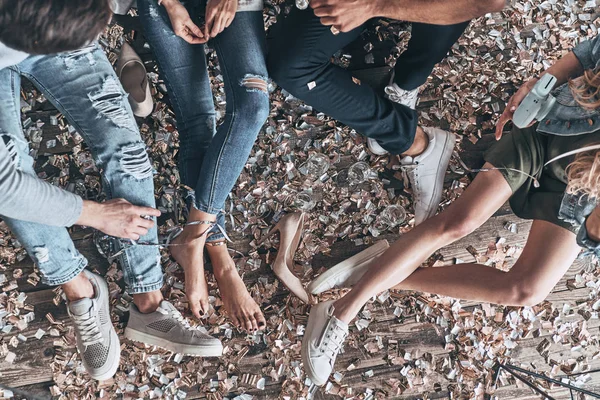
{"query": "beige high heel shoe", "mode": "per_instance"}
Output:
(290, 233)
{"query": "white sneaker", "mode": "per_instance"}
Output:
(426, 172)
(322, 342)
(398, 95)
(348, 272)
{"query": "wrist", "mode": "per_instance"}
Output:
(379, 8)
(89, 214)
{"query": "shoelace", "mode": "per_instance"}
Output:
(177, 316)
(398, 96)
(334, 338)
(88, 329)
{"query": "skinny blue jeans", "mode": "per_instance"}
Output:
(210, 158)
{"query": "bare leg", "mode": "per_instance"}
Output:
(78, 288)
(148, 302)
(548, 254)
(482, 198)
(191, 258)
(241, 307)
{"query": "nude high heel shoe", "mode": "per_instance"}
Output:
(290, 233)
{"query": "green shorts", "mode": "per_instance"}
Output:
(527, 150)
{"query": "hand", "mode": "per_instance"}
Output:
(512, 105)
(344, 15)
(219, 15)
(182, 23)
(118, 217)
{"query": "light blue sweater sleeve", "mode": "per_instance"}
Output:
(26, 197)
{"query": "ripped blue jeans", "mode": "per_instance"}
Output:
(211, 159)
(83, 86)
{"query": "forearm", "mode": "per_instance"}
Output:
(26, 197)
(566, 68)
(437, 12)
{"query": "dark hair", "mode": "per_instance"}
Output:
(51, 26)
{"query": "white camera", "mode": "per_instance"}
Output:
(537, 103)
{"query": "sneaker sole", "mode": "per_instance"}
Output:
(185, 349)
(441, 172)
(356, 262)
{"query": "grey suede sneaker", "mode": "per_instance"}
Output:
(97, 341)
(168, 329)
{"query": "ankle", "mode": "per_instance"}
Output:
(419, 144)
(78, 288)
(343, 311)
(147, 302)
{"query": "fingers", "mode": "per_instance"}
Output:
(217, 26)
(504, 118)
(319, 3)
(325, 11)
(145, 211)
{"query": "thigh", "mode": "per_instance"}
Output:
(84, 87)
(241, 60)
(301, 38)
(182, 65)
(549, 252)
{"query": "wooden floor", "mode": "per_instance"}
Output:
(31, 373)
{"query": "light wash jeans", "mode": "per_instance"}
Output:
(83, 86)
(210, 159)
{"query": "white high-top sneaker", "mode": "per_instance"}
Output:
(398, 95)
(426, 172)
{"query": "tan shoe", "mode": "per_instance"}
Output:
(132, 73)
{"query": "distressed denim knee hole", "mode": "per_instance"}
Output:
(255, 83)
(110, 101)
(135, 161)
(71, 58)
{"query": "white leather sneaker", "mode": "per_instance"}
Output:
(426, 172)
(346, 273)
(398, 95)
(322, 342)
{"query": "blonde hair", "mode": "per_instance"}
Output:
(583, 174)
(586, 89)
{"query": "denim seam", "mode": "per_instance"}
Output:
(64, 279)
(226, 78)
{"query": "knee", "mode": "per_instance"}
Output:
(290, 70)
(457, 227)
(524, 292)
(128, 161)
(254, 106)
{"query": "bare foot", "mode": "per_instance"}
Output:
(191, 258)
(241, 307)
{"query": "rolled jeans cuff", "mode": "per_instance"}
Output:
(145, 288)
(71, 274)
